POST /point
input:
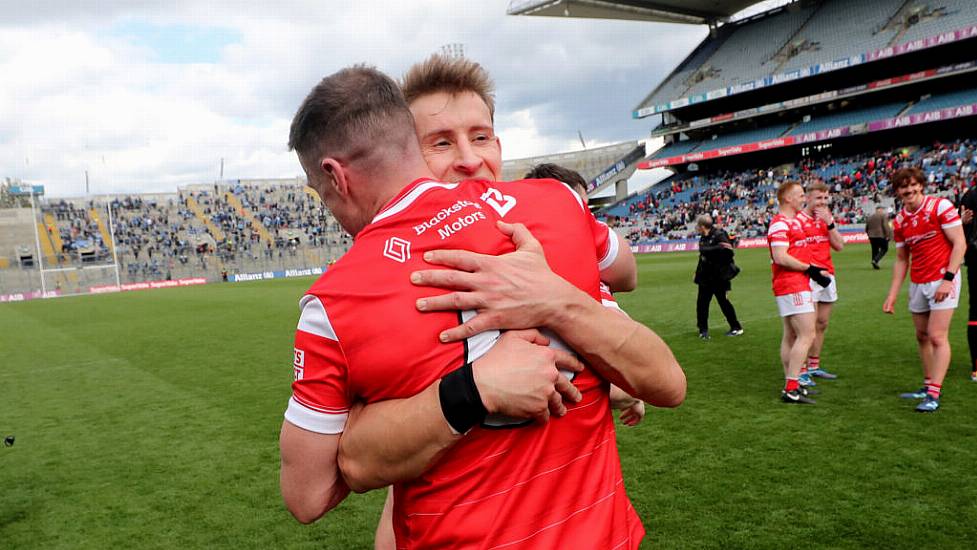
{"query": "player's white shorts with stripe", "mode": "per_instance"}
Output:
(794, 304)
(821, 294)
(921, 296)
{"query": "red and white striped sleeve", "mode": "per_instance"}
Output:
(320, 400)
(897, 235)
(947, 214)
(778, 234)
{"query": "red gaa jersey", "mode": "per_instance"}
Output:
(784, 231)
(922, 233)
(506, 484)
(818, 241)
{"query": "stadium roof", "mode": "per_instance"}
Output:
(696, 12)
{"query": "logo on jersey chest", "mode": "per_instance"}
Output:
(443, 215)
(397, 249)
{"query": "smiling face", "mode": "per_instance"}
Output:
(457, 137)
(817, 200)
(911, 193)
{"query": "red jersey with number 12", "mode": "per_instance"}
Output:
(506, 484)
(922, 232)
(788, 232)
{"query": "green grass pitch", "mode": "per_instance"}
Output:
(150, 419)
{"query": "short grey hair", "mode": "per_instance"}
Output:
(704, 220)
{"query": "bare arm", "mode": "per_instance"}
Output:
(835, 239)
(518, 290)
(309, 478)
(899, 268)
(956, 237)
(622, 275)
(783, 259)
(397, 440)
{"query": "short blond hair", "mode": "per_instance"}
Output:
(817, 186)
(452, 75)
(784, 188)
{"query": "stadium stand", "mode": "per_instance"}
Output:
(941, 101)
(747, 51)
(200, 231)
(850, 118)
(923, 19)
(836, 30)
(599, 166)
(744, 200)
(801, 35)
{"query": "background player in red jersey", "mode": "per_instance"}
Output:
(793, 271)
(353, 187)
(632, 409)
(930, 245)
(822, 238)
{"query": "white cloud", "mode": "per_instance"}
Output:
(76, 96)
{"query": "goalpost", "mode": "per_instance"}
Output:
(58, 280)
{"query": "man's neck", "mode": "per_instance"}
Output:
(389, 185)
(788, 211)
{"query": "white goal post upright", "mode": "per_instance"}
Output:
(84, 276)
(37, 242)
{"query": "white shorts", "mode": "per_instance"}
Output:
(794, 304)
(822, 294)
(921, 296)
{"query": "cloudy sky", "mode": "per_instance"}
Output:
(148, 95)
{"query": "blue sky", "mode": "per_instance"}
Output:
(176, 43)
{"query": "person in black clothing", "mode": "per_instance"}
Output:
(968, 205)
(713, 275)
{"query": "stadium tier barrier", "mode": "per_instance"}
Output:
(853, 236)
(858, 122)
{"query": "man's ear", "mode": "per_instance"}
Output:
(336, 175)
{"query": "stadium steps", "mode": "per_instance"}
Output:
(106, 236)
(16, 230)
(47, 250)
(311, 193)
(245, 213)
(784, 59)
(892, 18)
(55, 235)
(194, 207)
(900, 16)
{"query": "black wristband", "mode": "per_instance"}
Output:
(948, 276)
(832, 226)
(461, 403)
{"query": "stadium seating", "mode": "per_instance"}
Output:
(850, 117)
(840, 29)
(797, 38)
(746, 136)
(941, 101)
(745, 53)
(202, 230)
(937, 16)
(745, 200)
